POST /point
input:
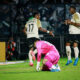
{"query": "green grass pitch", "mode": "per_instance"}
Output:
(23, 71)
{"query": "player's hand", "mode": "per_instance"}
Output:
(33, 55)
(37, 68)
(67, 22)
(51, 33)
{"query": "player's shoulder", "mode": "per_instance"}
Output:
(76, 14)
(42, 42)
(34, 19)
(31, 20)
(38, 20)
(39, 44)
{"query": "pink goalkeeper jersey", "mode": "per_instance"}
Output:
(43, 47)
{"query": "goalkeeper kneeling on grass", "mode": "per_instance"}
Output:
(50, 61)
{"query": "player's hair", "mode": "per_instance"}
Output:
(37, 39)
(35, 13)
(73, 7)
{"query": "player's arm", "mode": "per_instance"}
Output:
(42, 29)
(25, 29)
(76, 19)
(75, 24)
(72, 23)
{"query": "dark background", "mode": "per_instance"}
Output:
(15, 13)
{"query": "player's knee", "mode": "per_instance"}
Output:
(68, 50)
(68, 44)
(75, 44)
(44, 61)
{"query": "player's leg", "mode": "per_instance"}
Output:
(29, 42)
(33, 54)
(35, 51)
(58, 67)
(30, 58)
(44, 67)
(76, 52)
(55, 62)
(48, 61)
(68, 52)
(48, 65)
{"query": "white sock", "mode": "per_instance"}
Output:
(68, 52)
(58, 67)
(76, 52)
(53, 67)
(30, 57)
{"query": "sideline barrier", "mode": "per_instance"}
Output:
(2, 51)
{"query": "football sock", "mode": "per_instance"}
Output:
(68, 52)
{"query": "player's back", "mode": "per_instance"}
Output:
(45, 47)
(32, 29)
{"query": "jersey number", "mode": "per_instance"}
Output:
(31, 26)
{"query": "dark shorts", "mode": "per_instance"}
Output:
(31, 41)
(72, 38)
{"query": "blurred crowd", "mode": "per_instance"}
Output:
(15, 13)
(14, 16)
(40, 1)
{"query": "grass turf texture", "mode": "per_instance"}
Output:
(23, 71)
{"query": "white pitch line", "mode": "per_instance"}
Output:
(15, 62)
